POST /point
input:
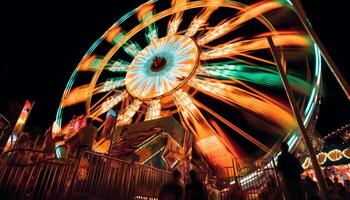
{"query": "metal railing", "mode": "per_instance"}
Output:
(102, 177)
(258, 184)
(26, 174)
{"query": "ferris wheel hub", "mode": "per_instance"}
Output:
(162, 67)
(158, 64)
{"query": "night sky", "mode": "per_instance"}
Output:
(42, 42)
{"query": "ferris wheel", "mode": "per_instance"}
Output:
(208, 64)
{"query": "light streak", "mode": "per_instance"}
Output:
(202, 18)
(267, 76)
(110, 84)
(77, 95)
(249, 13)
(126, 116)
(232, 49)
(176, 20)
(91, 63)
(208, 141)
(109, 103)
(241, 98)
(144, 14)
(153, 111)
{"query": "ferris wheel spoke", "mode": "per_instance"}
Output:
(233, 127)
(127, 115)
(108, 103)
(202, 18)
(213, 147)
(117, 66)
(153, 111)
(243, 99)
(266, 76)
(144, 15)
(175, 21)
(76, 95)
(258, 43)
(110, 84)
(115, 34)
(247, 14)
(92, 63)
(132, 48)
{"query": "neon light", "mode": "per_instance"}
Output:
(180, 56)
(228, 82)
(126, 116)
(153, 111)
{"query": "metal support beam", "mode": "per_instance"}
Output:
(297, 116)
(330, 62)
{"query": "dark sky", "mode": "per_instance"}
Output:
(43, 41)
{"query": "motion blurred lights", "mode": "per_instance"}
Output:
(334, 155)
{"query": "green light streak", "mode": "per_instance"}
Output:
(253, 74)
(112, 83)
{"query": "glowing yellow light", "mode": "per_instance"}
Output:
(77, 95)
(235, 48)
(237, 96)
(126, 116)
(346, 153)
(209, 142)
(307, 163)
(322, 158)
(228, 26)
(153, 111)
(335, 155)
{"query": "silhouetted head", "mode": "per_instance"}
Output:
(89, 120)
(193, 175)
(336, 179)
(308, 179)
(284, 147)
(176, 175)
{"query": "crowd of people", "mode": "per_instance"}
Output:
(297, 188)
(288, 166)
(85, 138)
(173, 190)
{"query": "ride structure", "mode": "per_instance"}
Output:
(208, 64)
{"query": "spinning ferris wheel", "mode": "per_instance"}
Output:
(208, 64)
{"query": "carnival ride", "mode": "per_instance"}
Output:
(207, 64)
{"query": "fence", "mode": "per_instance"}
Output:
(102, 177)
(258, 184)
(26, 174)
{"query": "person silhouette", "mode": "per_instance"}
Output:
(290, 170)
(87, 136)
(173, 189)
(311, 189)
(195, 189)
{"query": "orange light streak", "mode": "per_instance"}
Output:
(208, 141)
(231, 49)
(126, 116)
(233, 127)
(202, 18)
(242, 98)
(174, 23)
(109, 103)
(245, 15)
(112, 34)
(153, 111)
(77, 95)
